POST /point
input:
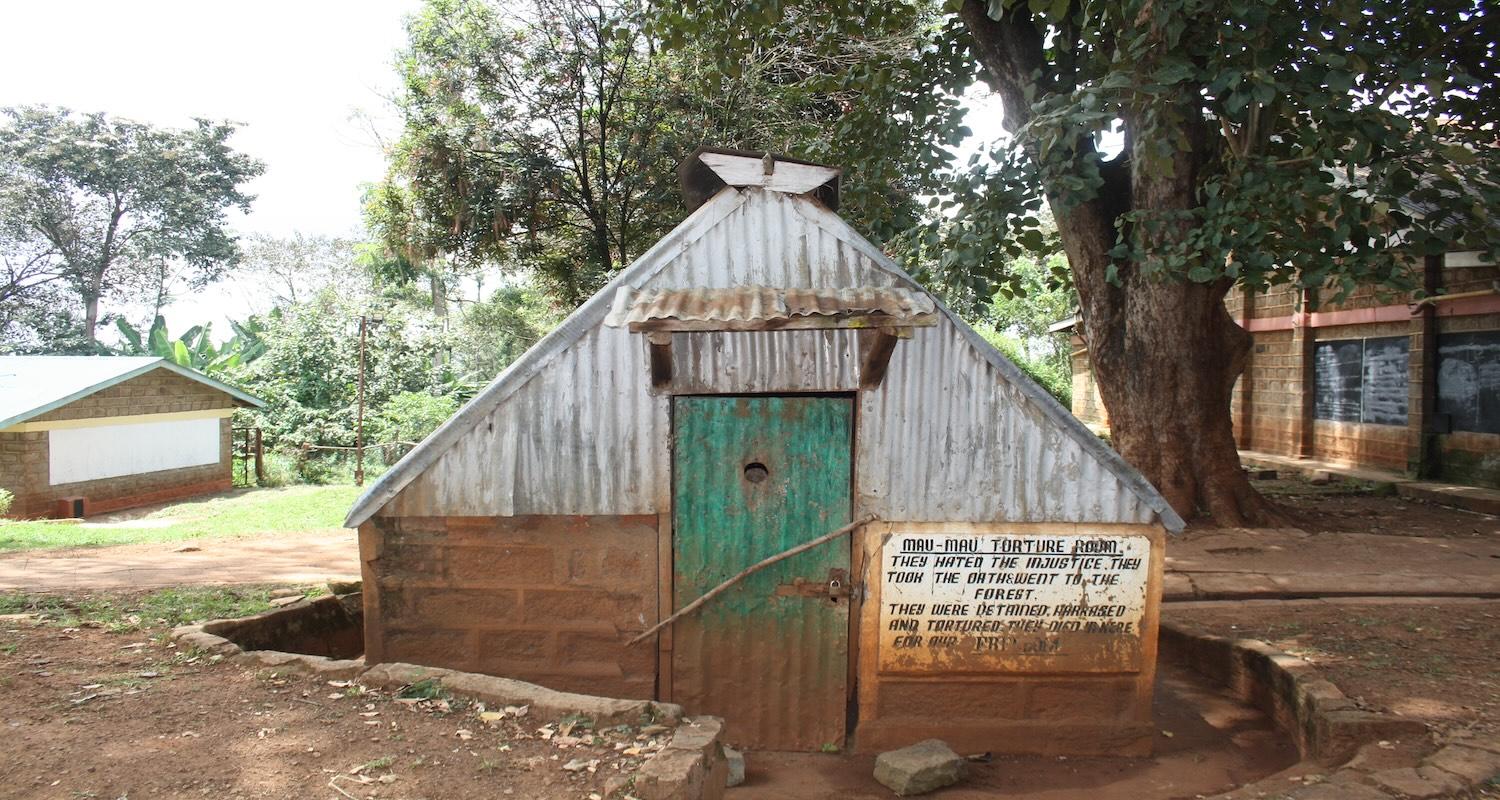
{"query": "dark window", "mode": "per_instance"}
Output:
(1468, 380)
(1362, 380)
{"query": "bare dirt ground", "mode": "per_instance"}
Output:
(1353, 541)
(1437, 662)
(89, 713)
(300, 557)
(92, 714)
(1354, 507)
(1206, 743)
(86, 712)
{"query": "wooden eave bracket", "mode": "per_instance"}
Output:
(877, 340)
(659, 343)
(877, 346)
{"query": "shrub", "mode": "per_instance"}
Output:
(6, 498)
(1051, 374)
(410, 416)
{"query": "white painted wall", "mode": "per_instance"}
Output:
(109, 451)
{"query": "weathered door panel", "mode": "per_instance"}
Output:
(753, 476)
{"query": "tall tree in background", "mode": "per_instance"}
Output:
(1263, 142)
(545, 136)
(105, 201)
(294, 268)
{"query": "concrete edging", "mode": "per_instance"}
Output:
(1328, 727)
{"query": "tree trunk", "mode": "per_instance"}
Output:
(90, 316)
(440, 311)
(1166, 373)
(1164, 351)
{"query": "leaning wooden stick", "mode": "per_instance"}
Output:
(747, 572)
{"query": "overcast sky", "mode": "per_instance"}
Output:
(307, 80)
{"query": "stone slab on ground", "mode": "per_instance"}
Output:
(545, 704)
(1417, 783)
(921, 768)
(1471, 498)
(1469, 763)
(330, 668)
(1272, 563)
(735, 760)
(691, 767)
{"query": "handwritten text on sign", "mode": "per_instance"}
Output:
(1003, 602)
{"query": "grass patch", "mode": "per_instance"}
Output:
(425, 689)
(254, 511)
(162, 609)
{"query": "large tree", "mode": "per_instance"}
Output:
(101, 202)
(544, 136)
(1185, 147)
(290, 269)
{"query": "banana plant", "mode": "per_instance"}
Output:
(195, 348)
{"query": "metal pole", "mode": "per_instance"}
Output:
(260, 460)
(359, 419)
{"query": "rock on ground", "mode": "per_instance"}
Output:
(920, 768)
(736, 761)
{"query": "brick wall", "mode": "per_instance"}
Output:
(156, 392)
(23, 471)
(1275, 377)
(1272, 406)
(551, 600)
(1472, 458)
(1278, 301)
(1467, 456)
(1087, 404)
(24, 466)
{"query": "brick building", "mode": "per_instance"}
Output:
(83, 435)
(1375, 381)
(762, 377)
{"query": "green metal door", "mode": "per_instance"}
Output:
(752, 477)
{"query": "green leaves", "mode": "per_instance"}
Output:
(195, 348)
(108, 200)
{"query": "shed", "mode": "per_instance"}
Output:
(760, 377)
(82, 435)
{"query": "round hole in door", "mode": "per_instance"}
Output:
(755, 472)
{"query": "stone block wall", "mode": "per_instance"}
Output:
(1087, 404)
(1044, 715)
(24, 456)
(546, 599)
(156, 392)
(1274, 404)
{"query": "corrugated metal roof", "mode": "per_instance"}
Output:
(769, 307)
(33, 385)
(954, 433)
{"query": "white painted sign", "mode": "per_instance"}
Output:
(110, 451)
(998, 602)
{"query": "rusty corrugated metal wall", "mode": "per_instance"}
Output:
(574, 429)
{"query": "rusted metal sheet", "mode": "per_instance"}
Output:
(767, 308)
(753, 477)
(945, 437)
(988, 603)
(774, 361)
(953, 432)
